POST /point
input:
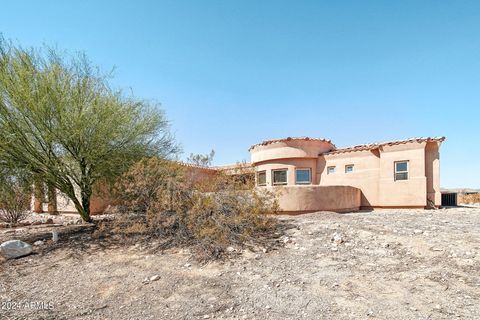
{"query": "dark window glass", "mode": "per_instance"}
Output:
(401, 170)
(279, 177)
(261, 178)
(401, 176)
(401, 166)
(302, 176)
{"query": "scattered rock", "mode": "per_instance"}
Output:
(285, 239)
(15, 249)
(155, 277)
(39, 243)
(49, 221)
(337, 238)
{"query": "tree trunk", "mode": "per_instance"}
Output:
(85, 192)
(86, 196)
(83, 206)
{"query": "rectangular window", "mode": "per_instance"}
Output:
(401, 170)
(261, 178)
(303, 176)
(330, 170)
(349, 168)
(279, 177)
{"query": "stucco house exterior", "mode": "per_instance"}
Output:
(312, 174)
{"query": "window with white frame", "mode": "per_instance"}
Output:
(303, 176)
(331, 170)
(261, 178)
(279, 177)
(349, 168)
(401, 170)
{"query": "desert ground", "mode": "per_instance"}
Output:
(384, 264)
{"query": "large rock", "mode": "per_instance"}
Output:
(14, 249)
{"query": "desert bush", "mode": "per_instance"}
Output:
(155, 198)
(15, 195)
(469, 198)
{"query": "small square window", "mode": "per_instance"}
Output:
(261, 178)
(303, 176)
(401, 170)
(331, 170)
(279, 177)
(349, 168)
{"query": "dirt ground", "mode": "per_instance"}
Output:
(385, 264)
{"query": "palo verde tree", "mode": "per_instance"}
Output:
(61, 121)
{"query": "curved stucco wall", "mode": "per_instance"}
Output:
(290, 165)
(287, 149)
(318, 198)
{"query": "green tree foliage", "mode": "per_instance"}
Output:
(60, 120)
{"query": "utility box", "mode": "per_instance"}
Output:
(449, 199)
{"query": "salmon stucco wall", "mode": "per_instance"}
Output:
(318, 198)
(365, 174)
(432, 172)
(411, 192)
(290, 165)
(98, 204)
(289, 149)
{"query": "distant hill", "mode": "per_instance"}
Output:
(459, 190)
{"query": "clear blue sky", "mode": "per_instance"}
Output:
(232, 73)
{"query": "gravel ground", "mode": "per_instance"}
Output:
(385, 264)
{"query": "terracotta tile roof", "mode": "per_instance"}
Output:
(267, 142)
(372, 146)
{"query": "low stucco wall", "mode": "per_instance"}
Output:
(318, 198)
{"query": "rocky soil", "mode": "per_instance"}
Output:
(386, 264)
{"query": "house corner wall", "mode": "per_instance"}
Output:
(365, 175)
(432, 173)
(404, 193)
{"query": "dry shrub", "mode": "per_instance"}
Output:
(14, 196)
(469, 198)
(158, 198)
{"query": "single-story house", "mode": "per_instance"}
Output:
(312, 174)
